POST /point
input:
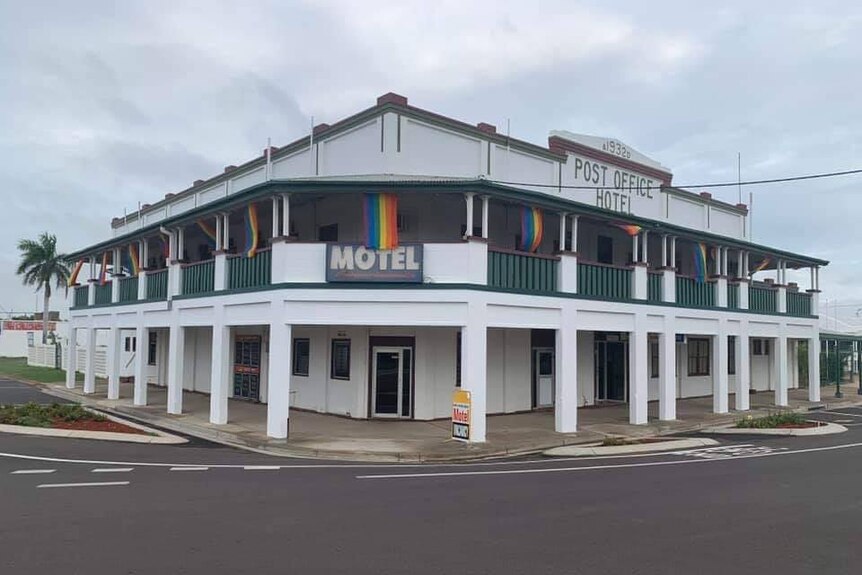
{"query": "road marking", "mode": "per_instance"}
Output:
(599, 467)
(112, 470)
(189, 468)
(261, 467)
(91, 484)
(728, 451)
(842, 413)
(32, 471)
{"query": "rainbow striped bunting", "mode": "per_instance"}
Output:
(73, 277)
(761, 266)
(700, 262)
(630, 229)
(532, 229)
(381, 221)
(208, 230)
(252, 233)
(133, 258)
(166, 246)
(103, 273)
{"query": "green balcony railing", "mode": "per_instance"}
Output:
(82, 296)
(515, 270)
(762, 299)
(604, 281)
(654, 286)
(129, 289)
(198, 277)
(103, 293)
(157, 285)
(691, 292)
(798, 304)
(733, 296)
(244, 272)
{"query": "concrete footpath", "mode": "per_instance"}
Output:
(314, 435)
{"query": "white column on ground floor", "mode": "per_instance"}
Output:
(71, 358)
(474, 348)
(566, 357)
(113, 362)
(667, 371)
(142, 337)
(220, 372)
(90, 366)
(638, 372)
(719, 369)
(743, 369)
(278, 394)
(814, 369)
(780, 369)
(176, 351)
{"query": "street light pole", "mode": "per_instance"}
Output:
(839, 370)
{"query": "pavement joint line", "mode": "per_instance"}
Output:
(189, 468)
(31, 471)
(602, 467)
(112, 470)
(86, 484)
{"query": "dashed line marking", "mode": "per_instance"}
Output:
(31, 471)
(189, 468)
(89, 484)
(261, 467)
(112, 470)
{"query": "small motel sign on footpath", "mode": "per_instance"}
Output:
(461, 415)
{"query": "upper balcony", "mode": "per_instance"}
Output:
(454, 235)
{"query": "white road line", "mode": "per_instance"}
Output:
(91, 484)
(261, 467)
(189, 468)
(600, 467)
(32, 471)
(112, 470)
(842, 413)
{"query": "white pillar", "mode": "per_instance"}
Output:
(285, 214)
(176, 353)
(220, 271)
(226, 229)
(113, 361)
(814, 369)
(575, 234)
(563, 217)
(220, 371)
(667, 371)
(219, 234)
(635, 245)
(278, 394)
(115, 279)
(142, 335)
(485, 209)
(468, 197)
(181, 243)
(743, 369)
(90, 367)
(673, 252)
(719, 369)
(275, 217)
(780, 368)
(71, 358)
(474, 345)
(566, 373)
(638, 372)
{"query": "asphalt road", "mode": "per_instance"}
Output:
(783, 505)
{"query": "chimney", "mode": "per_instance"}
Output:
(197, 183)
(319, 128)
(487, 128)
(229, 168)
(392, 98)
(706, 195)
(168, 196)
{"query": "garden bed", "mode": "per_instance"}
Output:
(62, 416)
(780, 420)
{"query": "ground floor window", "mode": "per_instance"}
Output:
(731, 355)
(340, 362)
(458, 361)
(131, 344)
(698, 356)
(301, 356)
(152, 344)
(653, 359)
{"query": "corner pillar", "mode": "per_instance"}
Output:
(638, 372)
(474, 352)
(566, 373)
(667, 371)
(113, 361)
(142, 335)
(176, 353)
(278, 394)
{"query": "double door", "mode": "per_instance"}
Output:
(611, 360)
(246, 368)
(392, 382)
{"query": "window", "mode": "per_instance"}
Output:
(151, 348)
(698, 356)
(301, 354)
(131, 344)
(731, 355)
(328, 233)
(340, 363)
(458, 361)
(653, 359)
(604, 250)
(760, 347)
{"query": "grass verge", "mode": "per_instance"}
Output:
(16, 367)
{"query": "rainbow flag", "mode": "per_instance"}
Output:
(532, 228)
(73, 277)
(381, 221)
(760, 267)
(630, 229)
(251, 231)
(166, 246)
(133, 258)
(103, 273)
(700, 262)
(208, 230)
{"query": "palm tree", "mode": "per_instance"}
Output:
(41, 266)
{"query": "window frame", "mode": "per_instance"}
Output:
(294, 370)
(338, 342)
(654, 359)
(152, 348)
(699, 357)
(731, 355)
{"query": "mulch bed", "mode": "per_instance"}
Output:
(108, 425)
(806, 425)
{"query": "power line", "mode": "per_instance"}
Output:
(710, 185)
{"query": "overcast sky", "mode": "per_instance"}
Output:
(104, 104)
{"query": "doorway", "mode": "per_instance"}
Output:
(612, 362)
(543, 383)
(246, 367)
(392, 381)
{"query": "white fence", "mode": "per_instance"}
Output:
(49, 356)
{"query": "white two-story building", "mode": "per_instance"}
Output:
(611, 303)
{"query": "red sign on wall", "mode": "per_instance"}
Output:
(22, 325)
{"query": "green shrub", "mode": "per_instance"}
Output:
(771, 420)
(37, 415)
(612, 441)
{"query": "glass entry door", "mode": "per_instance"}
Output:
(246, 368)
(392, 378)
(611, 370)
(544, 363)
